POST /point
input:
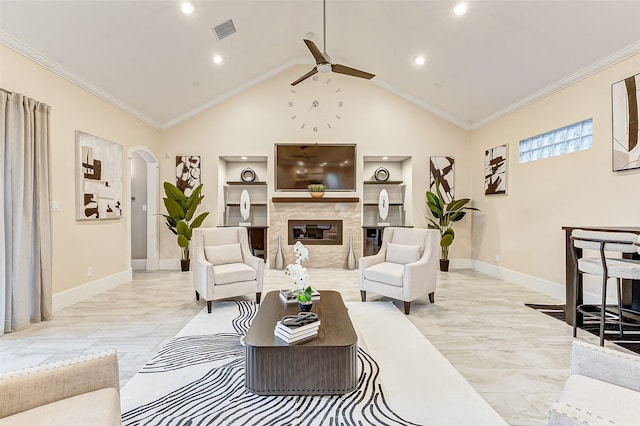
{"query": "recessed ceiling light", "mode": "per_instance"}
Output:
(419, 60)
(217, 59)
(460, 9)
(187, 7)
(243, 158)
(385, 158)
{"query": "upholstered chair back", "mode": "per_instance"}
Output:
(622, 242)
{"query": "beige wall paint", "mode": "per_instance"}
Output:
(77, 245)
(524, 227)
(379, 122)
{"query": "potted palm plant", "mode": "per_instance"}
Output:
(180, 218)
(444, 215)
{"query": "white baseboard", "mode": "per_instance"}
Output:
(169, 264)
(550, 288)
(460, 264)
(139, 264)
(73, 295)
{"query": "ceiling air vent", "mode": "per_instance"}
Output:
(225, 29)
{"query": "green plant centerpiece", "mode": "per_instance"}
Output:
(444, 216)
(317, 189)
(180, 218)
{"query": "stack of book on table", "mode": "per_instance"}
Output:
(291, 296)
(292, 334)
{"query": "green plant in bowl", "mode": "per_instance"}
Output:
(317, 187)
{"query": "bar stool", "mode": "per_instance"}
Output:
(607, 267)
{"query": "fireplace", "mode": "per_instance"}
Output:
(315, 232)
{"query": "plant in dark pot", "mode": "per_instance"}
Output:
(180, 218)
(443, 217)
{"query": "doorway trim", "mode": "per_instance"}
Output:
(153, 185)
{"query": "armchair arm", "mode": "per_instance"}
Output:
(368, 261)
(203, 278)
(606, 364)
(25, 389)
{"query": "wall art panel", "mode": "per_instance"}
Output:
(442, 170)
(98, 178)
(625, 106)
(187, 173)
(495, 170)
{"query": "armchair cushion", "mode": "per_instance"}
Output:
(600, 399)
(233, 273)
(223, 254)
(100, 407)
(385, 272)
(402, 253)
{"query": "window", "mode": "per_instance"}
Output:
(564, 140)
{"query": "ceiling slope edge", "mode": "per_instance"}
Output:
(231, 93)
(421, 104)
(601, 65)
(58, 69)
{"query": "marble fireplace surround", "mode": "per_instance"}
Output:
(320, 256)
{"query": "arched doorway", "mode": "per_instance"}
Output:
(143, 164)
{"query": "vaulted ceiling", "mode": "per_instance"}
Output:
(154, 61)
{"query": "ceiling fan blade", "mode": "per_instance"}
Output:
(317, 55)
(341, 69)
(304, 77)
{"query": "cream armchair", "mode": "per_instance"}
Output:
(76, 392)
(603, 389)
(405, 268)
(223, 264)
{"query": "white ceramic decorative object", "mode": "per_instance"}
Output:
(279, 256)
(245, 204)
(351, 257)
(383, 204)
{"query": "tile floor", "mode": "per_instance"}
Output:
(515, 357)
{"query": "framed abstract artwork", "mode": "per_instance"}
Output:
(625, 129)
(441, 169)
(495, 170)
(98, 178)
(187, 173)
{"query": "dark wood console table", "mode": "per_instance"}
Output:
(630, 288)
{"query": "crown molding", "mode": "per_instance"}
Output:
(63, 72)
(231, 93)
(599, 66)
(421, 104)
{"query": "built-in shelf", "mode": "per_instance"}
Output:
(245, 183)
(376, 204)
(315, 200)
(378, 182)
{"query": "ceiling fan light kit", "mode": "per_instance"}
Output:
(323, 60)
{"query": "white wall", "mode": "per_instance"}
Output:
(379, 122)
(77, 246)
(524, 227)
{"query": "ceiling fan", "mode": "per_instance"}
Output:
(323, 61)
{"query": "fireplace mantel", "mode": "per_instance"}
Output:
(315, 200)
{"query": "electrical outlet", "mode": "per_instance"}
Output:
(89, 271)
(497, 258)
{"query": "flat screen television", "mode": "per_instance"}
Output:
(298, 165)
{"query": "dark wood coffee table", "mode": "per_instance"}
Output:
(323, 366)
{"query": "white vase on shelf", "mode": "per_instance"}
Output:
(279, 256)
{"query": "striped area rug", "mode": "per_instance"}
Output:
(197, 378)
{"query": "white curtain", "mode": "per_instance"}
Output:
(25, 217)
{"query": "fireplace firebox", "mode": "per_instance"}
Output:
(318, 232)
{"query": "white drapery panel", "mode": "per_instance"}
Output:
(25, 217)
